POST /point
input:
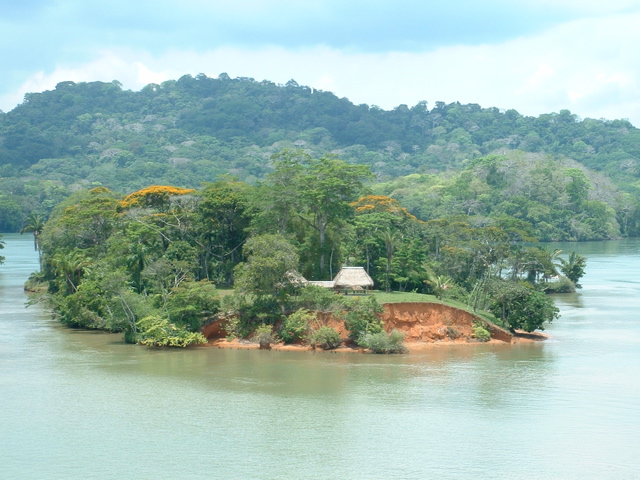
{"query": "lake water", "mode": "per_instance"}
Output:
(81, 405)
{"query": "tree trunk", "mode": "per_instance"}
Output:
(321, 231)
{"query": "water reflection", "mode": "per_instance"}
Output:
(573, 300)
(486, 376)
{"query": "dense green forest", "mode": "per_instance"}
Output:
(149, 263)
(556, 176)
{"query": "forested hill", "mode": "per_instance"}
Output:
(183, 132)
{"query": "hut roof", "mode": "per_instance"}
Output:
(353, 277)
(295, 278)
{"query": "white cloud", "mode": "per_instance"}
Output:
(588, 66)
(103, 69)
(590, 6)
(146, 76)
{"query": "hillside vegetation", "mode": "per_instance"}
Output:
(555, 176)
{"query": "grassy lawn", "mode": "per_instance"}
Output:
(223, 292)
(398, 297)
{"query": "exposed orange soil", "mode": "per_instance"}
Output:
(425, 325)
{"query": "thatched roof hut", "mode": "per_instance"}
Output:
(292, 278)
(352, 278)
(295, 278)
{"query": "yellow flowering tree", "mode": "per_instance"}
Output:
(155, 196)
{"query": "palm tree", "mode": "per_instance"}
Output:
(34, 223)
(136, 261)
(573, 268)
(391, 239)
(438, 283)
(551, 267)
(71, 266)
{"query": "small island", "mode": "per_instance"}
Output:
(293, 259)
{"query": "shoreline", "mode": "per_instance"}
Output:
(426, 326)
(412, 347)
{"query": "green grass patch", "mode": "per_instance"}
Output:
(489, 317)
(400, 297)
(223, 292)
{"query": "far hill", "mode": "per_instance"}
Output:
(183, 132)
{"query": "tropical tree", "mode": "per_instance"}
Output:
(85, 220)
(538, 263)
(327, 188)
(135, 246)
(34, 223)
(222, 221)
(278, 195)
(192, 303)
(573, 268)
(70, 267)
(391, 239)
(156, 197)
(136, 260)
(519, 306)
(388, 234)
(269, 258)
(438, 283)
(321, 193)
(577, 187)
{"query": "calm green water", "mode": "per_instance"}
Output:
(78, 405)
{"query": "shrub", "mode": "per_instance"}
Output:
(382, 342)
(456, 292)
(192, 303)
(82, 308)
(562, 285)
(158, 332)
(318, 298)
(245, 313)
(520, 306)
(264, 336)
(265, 309)
(234, 328)
(233, 304)
(326, 338)
(36, 283)
(453, 333)
(362, 317)
(480, 331)
(296, 325)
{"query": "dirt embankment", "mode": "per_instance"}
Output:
(435, 322)
(215, 329)
(422, 323)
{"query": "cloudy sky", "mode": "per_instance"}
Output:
(536, 56)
